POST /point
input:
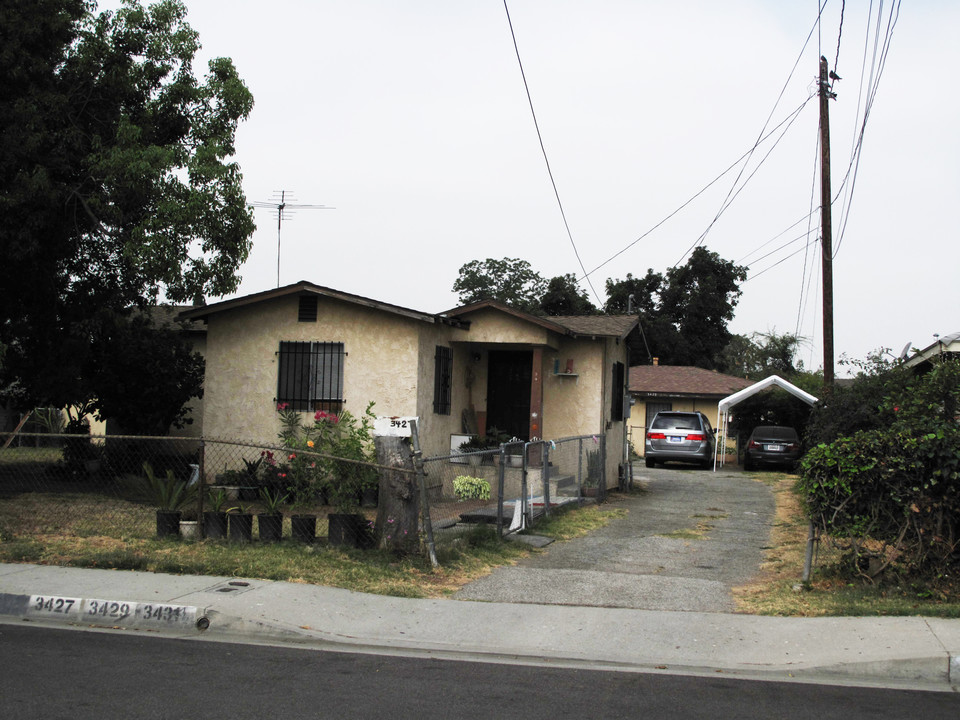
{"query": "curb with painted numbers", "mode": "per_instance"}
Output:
(102, 611)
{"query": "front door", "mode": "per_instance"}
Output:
(508, 392)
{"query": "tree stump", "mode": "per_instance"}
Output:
(398, 512)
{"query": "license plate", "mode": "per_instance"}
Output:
(774, 448)
(675, 438)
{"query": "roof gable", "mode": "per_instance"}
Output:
(301, 288)
(617, 326)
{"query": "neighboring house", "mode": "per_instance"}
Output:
(666, 387)
(948, 345)
(463, 371)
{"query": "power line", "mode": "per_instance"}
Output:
(702, 190)
(543, 149)
(730, 193)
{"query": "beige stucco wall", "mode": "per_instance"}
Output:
(496, 327)
(572, 404)
(381, 363)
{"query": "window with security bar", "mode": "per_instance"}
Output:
(442, 377)
(311, 376)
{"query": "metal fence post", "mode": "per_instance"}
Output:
(546, 478)
(808, 560)
(501, 471)
(201, 490)
(602, 490)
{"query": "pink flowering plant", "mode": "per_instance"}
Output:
(318, 449)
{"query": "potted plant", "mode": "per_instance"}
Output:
(215, 519)
(250, 487)
(592, 484)
(241, 524)
(189, 525)
(270, 521)
(169, 495)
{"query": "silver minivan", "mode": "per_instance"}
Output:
(681, 436)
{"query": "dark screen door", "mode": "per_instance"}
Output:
(508, 392)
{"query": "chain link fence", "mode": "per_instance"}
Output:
(122, 488)
(126, 487)
(510, 488)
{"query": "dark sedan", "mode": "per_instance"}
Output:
(772, 445)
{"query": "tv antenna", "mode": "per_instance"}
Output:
(281, 203)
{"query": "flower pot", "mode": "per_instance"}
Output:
(231, 491)
(215, 525)
(168, 523)
(248, 494)
(241, 527)
(271, 527)
(303, 528)
(189, 529)
(349, 530)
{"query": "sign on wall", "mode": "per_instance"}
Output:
(385, 426)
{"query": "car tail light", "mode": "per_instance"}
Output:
(656, 436)
(696, 438)
(754, 445)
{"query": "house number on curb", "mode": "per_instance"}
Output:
(108, 609)
(114, 611)
(165, 614)
(54, 606)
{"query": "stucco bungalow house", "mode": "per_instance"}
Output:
(667, 387)
(465, 370)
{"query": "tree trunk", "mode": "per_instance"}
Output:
(398, 512)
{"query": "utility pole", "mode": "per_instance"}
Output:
(826, 226)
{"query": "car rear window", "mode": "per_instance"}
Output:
(776, 433)
(681, 422)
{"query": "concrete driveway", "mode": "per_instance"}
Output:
(685, 542)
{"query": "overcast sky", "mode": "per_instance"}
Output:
(411, 119)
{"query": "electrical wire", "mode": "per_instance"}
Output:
(546, 159)
(728, 199)
(702, 190)
(873, 86)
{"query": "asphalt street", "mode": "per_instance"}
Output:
(52, 673)
(688, 537)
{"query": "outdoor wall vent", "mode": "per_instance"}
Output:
(307, 311)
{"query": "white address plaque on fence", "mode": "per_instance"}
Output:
(385, 426)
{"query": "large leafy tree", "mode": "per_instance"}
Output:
(684, 313)
(116, 181)
(564, 296)
(511, 281)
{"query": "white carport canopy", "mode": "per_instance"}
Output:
(723, 407)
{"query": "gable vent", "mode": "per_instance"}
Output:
(307, 311)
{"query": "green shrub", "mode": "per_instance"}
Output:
(471, 488)
(894, 492)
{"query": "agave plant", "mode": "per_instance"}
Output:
(166, 493)
(272, 501)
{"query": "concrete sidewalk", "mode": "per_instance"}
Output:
(899, 652)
